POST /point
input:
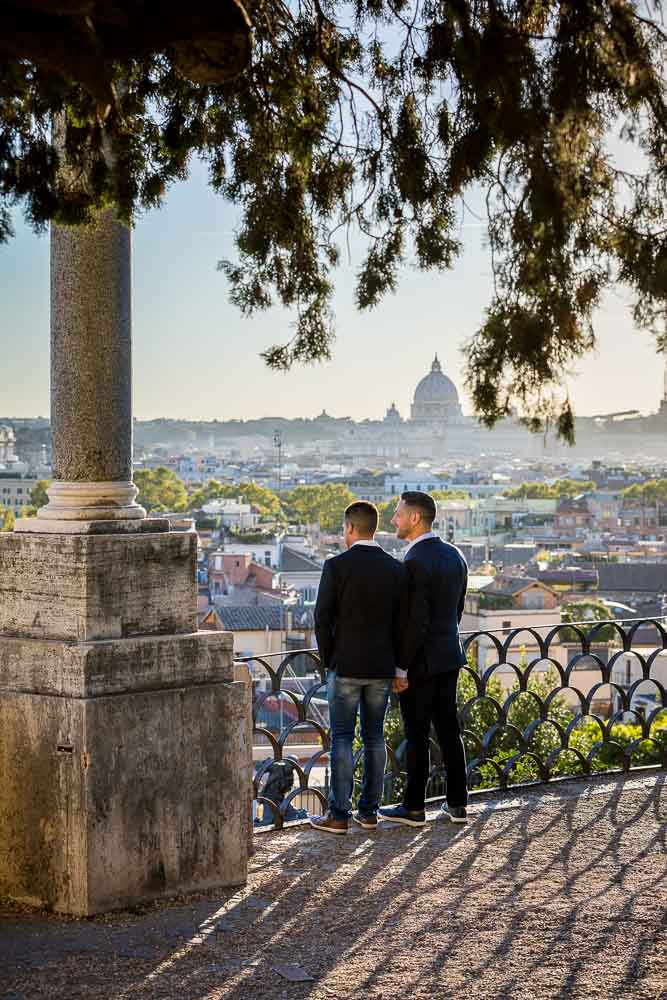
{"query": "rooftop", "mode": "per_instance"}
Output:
(296, 562)
(505, 585)
(552, 892)
(638, 576)
(241, 618)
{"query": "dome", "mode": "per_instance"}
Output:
(436, 387)
(436, 399)
(392, 416)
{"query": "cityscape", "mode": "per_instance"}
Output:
(333, 500)
(551, 534)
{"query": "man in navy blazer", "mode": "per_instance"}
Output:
(432, 655)
(361, 605)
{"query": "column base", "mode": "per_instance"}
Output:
(94, 501)
(44, 526)
(125, 770)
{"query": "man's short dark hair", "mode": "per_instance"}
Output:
(363, 516)
(423, 502)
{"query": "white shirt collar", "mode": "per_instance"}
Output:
(420, 538)
(365, 541)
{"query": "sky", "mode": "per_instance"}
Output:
(195, 357)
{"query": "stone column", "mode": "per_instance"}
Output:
(124, 738)
(91, 378)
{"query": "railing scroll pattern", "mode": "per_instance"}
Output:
(524, 718)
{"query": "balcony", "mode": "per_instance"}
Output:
(548, 702)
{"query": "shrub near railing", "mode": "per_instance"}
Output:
(525, 734)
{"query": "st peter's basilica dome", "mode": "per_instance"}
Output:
(436, 398)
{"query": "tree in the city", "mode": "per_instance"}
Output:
(651, 492)
(7, 519)
(38, 495)
(316, 117)
(386, 510)
(160, 490)
(450, 495)
(590, 612)
(557, 490)
(261, 497)
(324, 505)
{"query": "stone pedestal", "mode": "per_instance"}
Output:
(125, 762)
(81, 587)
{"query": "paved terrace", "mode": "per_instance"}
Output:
(556, 892)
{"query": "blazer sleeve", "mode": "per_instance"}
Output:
(462, 598)
(417, 612)
(325, 615)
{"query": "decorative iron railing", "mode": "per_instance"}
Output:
(535, 704)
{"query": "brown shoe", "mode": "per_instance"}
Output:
(367, 822)
(328, 824)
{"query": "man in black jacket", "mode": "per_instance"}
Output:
(432, 655)
(361, 600)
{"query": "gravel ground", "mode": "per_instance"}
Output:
(553, 893)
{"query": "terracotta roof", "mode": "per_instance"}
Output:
(508, 586)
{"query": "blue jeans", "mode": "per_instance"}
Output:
(346, 696)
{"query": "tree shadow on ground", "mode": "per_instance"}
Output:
(560, 895)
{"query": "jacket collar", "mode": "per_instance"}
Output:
(426, 537)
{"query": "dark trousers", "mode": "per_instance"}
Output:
(426, 701)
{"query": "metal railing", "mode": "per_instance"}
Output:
(536, 704)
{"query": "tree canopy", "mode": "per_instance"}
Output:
(160, 490)
(261, 497)
(315, 116)
(323, 504)
(653, 491)
(450, 495)
(550, 491)
(588, 611)
(38, 494)
(7, 519)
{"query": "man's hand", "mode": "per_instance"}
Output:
(400, 684)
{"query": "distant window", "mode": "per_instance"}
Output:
(238, 562)
(418, 487)
(506, 626)
(267, 557)
(19, 489)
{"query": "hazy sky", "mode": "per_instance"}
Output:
(195, 357)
